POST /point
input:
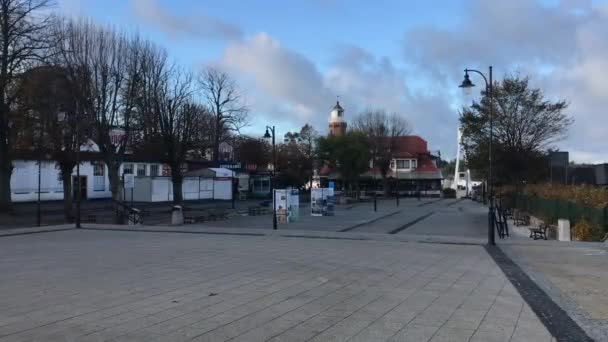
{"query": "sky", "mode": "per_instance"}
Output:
(291, 59)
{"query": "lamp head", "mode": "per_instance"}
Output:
(466, 83)
(267, 134)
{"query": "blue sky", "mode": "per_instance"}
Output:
(291, 58)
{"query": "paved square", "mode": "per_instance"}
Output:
(142, 286)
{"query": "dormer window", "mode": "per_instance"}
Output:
(404, 164)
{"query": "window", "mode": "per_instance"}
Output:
(261, 185)
(141, 170)
(403, 164)
(393, 164)
(414, 163)
(154, 170)
(127, 169)
(98, 169)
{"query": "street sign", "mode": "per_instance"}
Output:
(128, 180)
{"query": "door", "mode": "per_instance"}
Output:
(83, 187)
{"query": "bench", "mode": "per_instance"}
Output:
(257, 210)
(539, 232)
(209, 215)
(521, 219)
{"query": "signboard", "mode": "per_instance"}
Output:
(118, 136)
(322, 202)
(128, 181)
(287, 204)
(293, 209)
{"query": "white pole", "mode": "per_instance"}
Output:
(456, 173)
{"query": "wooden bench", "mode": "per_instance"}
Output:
(539, 232)
(207, 215)
(257, 210)
(521, 219)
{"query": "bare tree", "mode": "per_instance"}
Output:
(105, 66)
(178, 120)
(44, 98)
(225, 104)
(304, 142)
(22, 41)
(382, 130)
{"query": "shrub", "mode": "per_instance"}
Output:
(583, 230)
(449, 193)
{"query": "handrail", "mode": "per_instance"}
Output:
(134, 215)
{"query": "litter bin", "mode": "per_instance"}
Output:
(177, 215)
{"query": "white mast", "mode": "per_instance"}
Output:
(456, 173)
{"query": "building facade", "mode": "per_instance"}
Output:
(413, 169)
(94, 180)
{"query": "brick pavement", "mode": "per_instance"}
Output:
(140, 286)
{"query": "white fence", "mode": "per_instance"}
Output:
(160, 189)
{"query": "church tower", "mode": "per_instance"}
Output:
(337, 125)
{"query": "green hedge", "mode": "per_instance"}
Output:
(552, 210)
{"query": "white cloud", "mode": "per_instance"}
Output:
(289, 87)
(563, 48)
(284, 75)
(198, 25)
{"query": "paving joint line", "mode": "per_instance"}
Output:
(370, 221)
(411, 223)
(429, 202)
(553, 317)
(175, 231)
(456, 201)
(36, 232)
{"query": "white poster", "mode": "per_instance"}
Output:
(316, 202)
(322, 202)
(293, 205)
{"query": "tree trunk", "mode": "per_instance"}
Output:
(5, 184)
(177, 179)
(216, 140)
(5, 167)
(66, 177)
(385, 186)
(115, 188)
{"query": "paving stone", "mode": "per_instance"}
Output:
(71, 286)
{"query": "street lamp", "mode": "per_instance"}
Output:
(39, 147)
(267, 135)
(466, 86)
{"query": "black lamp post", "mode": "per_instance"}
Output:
(39, 211)
(466, 85)
(267, 135)
(78, 194)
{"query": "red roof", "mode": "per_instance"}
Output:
(410, 146)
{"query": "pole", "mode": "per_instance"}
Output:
(233, 190)
(375, 202)
(274, 170)
(38, 213)
(490, 93)
(397, 185)
(78, 172)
